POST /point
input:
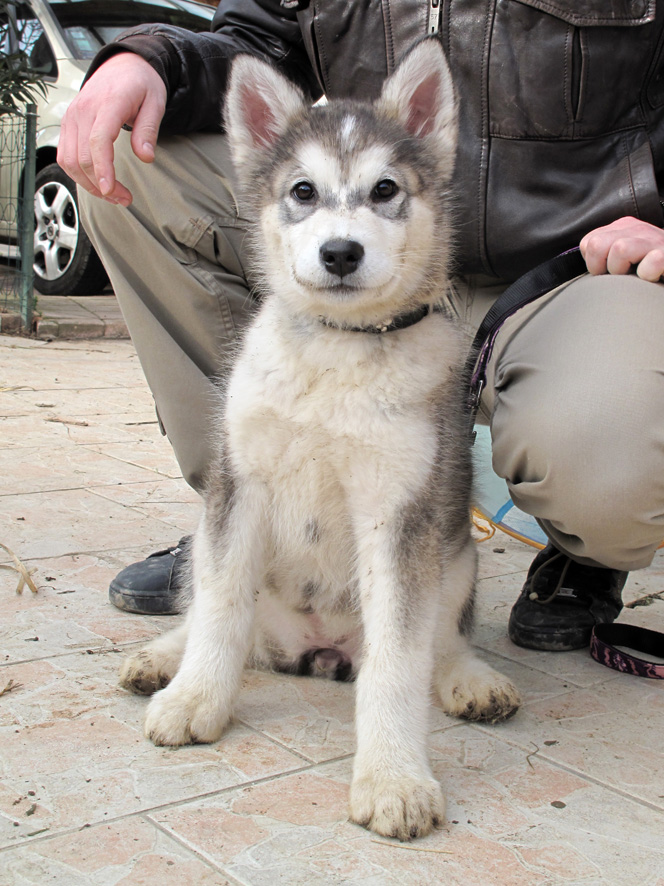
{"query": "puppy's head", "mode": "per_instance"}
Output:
(351, 198)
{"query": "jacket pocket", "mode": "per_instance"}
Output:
(574, 59)
(592, 13)
(542, 197)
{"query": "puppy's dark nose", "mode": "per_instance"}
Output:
(341, 257)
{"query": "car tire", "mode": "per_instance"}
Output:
(65, 261)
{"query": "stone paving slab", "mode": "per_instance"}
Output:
(570, 792)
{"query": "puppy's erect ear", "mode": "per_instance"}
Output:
(420, 94)
(259, 103)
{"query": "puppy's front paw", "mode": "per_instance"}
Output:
(404, 807)
(184, 715)
(474, 691)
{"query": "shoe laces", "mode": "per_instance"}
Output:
(533, 595)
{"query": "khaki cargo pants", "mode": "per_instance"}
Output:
(575, 398)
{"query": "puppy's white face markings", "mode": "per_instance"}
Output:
(322, 168)
(344, 206)
(348, 127)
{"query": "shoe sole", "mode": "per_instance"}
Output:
(140, 604)
(550, 641)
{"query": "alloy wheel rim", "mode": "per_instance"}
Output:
(56, 230)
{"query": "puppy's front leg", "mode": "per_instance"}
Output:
(228, 557)
(393, 790)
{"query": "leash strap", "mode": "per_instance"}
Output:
(606, 638)
(526, 289)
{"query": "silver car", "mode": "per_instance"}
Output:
(60, 38)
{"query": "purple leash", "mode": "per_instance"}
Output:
(606, 638)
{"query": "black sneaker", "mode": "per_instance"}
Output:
(153, 586)
(561, 602)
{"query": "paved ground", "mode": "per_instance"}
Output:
(571, 791)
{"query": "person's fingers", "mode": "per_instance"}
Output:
(145, 127)
(67, 156)
(592, 250)
(624, 253)
(75, 156)
(651, 268)
(96, 151)
(624, 245)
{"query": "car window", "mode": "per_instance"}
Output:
(89, 24)
(27, 35)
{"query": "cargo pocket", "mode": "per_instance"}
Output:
(219, 259)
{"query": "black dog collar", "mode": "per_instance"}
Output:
(401, 321)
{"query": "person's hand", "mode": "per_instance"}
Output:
(624, 244)
(124, 90)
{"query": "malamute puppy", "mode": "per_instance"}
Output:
(336, 534)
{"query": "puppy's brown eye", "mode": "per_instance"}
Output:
(303, 191)
(385, 189)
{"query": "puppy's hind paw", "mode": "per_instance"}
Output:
(144, 674)
(404, 807)
(474, 691)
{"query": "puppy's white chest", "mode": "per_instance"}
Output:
(330, 407)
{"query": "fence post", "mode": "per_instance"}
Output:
(26, 217)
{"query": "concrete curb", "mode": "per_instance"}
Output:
(47, 328)
(71, 317)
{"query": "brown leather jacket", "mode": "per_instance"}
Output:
(561, 101)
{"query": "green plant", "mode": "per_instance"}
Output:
(19, 82)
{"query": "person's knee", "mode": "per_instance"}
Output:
(595, 484)
(605, 521)
(578, 419)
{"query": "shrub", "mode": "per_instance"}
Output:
(19, 83)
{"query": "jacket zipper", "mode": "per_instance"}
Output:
(433, 25)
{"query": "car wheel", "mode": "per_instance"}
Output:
(65, 262)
